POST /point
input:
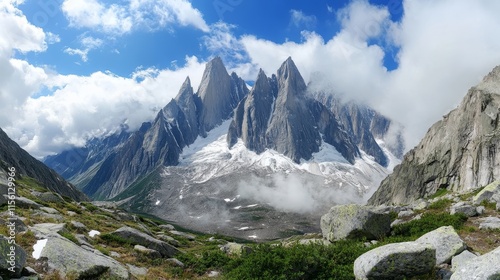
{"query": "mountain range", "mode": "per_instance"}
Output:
(211, 151)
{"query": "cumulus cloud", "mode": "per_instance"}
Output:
(88, 43)
(82, 107)
(444, 48)
(122, 18)
(299, 19)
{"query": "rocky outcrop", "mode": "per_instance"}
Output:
(395, 261)
(66, 258)
(278, 115)
(137, 237)
(445, 241)
(346, 221)
(12, 262)
(11, 155)
(482, 267)
(459, 152)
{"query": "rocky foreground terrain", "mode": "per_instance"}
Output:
(447, 235)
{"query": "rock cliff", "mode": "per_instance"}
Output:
(460, 152)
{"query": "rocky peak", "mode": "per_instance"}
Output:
(219, 94)
(277, 115)
(459, 152)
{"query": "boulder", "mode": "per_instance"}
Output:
(482, 267)
(420, 204)
(489, 223)
(45, 230)
(66, 257)
(78, 226)
(175, 262)
(446, 242)
(49, 210)
(406, 213)
(135, 237)
(11, 261)
(183, 234)
(235, 249)
(480, 210)
(459, 260)
(466, 209)
(148, 252)
(487, 192)
(137, 271)
(346, 221)
(23, 202)
(169, 239)
(167, 227)
(50, 197)
(396, 261)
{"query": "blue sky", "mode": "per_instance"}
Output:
(278, 21)
(73, 69)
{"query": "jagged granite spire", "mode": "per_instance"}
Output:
(219, 94)
(278, 115)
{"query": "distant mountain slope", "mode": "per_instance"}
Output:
(11, 155)
(460, 152)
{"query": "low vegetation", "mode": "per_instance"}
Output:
(271, 260)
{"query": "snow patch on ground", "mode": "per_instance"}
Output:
(93, 233)
(38, 247)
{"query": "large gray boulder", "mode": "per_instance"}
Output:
(483, 267)
(446, 242)
(347, 221)
(464, 208)
(461, 259)
(137, 237)
(11, 261)
(487, 193)
(489, 223)
(66, 257)
(396, 261)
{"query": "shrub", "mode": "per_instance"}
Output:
(441, 204)
(313, 261)
(429, 222)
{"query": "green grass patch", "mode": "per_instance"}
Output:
(429, 222)
(114, 240)
(489, 205)
(440, 192)
(441, 204)
(91, 207)
(69, 236)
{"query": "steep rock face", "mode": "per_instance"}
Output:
(79, 165)
(460, 152)
(155, 144)
(11, 155)
(253, 113)
(176, 126)
(277, 115)
(363, 125)
(219, 94)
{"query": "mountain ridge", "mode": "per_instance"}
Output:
(458, 153)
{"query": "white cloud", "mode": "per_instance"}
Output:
(88, 43)
(299, 19)
(120, 19)
(85, 106)
(445, 48)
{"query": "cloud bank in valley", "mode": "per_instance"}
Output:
(442, 49)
